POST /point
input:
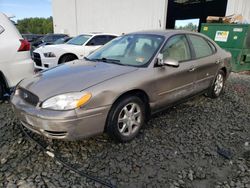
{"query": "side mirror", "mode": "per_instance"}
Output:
(167, 62)
(171, 63)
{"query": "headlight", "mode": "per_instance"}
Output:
(49, 54)
(67, 101)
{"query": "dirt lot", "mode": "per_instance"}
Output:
(202, 143)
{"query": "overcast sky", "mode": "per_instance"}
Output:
(26, 8)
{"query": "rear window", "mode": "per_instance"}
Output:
(212, 46)
(1, 29)
(201, 46)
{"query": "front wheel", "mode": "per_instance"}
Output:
(126, 118)
(217, 88)
(67, 58)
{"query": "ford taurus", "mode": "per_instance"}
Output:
(117, 88)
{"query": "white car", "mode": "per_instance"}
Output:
(77, 48)
(15, 60)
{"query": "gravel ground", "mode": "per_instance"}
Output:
(201, 143)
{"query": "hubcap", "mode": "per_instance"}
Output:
(218, 86)
(129, 120)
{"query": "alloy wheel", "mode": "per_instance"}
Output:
(218, 85)
(129, 119)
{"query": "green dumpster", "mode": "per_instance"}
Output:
(234, 38)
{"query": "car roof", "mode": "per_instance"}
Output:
(100, 33)
(169, 32)
(164, 33)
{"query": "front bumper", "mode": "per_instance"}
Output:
(67, 125)
(41, 62)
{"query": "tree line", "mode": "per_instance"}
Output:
(35, 25)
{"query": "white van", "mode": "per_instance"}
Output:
(15, 60)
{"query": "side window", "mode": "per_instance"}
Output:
(177, 48)
(97, 41)
(201, 46)
(1, 29)
(109, 38)
(212, 46)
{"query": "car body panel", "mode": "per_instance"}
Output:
(14, 65)
(88, 72)
(70, 124)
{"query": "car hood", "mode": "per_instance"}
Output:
(52, 48)
(72, 77)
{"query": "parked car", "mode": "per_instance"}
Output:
(62, 40)
(117, 88)
(15, 60)
(50, 56)
(32, 37)
(47, 39)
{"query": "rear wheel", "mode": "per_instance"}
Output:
(126, 118)
(67, 58)
(1, 90)
(217, 88)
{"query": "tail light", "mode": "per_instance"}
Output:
(25, 46)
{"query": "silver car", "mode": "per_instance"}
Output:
(118, 87)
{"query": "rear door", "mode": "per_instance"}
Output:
(206, 61)
(175, 83)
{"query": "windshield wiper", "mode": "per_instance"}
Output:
(87, 59)
(107, 60)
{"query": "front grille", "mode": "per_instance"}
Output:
(28, 96)
(37, 59)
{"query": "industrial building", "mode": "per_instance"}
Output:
(122, 16)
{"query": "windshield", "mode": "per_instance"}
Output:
(60, 41)
(79, 40)
(133, 50)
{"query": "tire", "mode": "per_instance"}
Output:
(124, 123)
(218, 85)
(2, 90)
(67, 58)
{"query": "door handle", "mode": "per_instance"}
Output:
(192, 69)
(218, 61)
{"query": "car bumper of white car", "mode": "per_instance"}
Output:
(41, 62)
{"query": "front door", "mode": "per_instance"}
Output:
(175, 83)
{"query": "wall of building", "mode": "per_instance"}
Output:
(112, 16)
(239, 7)
(64, 16)
(74, 17)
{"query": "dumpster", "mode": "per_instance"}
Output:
(234, 38)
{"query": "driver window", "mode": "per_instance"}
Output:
(177, 48)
